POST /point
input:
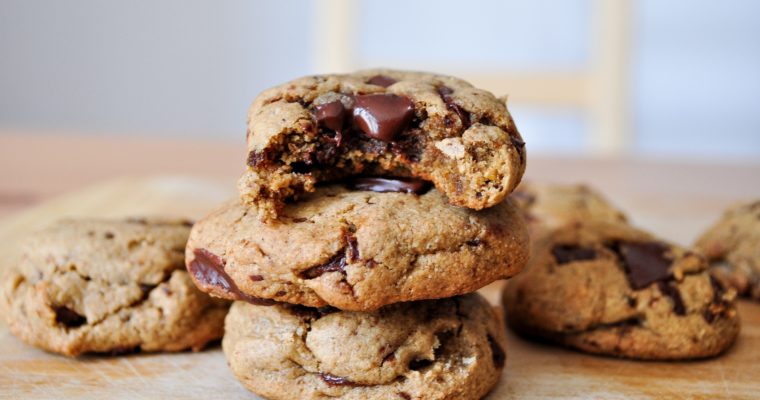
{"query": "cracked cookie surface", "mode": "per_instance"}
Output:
(732, 246)
(452, 348)
(612, 289)
(356, 250)
(382, 123)
(109, 286)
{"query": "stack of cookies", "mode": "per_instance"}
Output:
(372, 206)
(597, 284)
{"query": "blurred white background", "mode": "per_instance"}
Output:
(665, 78)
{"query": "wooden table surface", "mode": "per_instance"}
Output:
(46, 177)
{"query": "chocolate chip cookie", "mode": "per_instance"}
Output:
(732, 246)
(437, 349)
(550, 206)
(380, 123)
(354, 248)
(612, 289)
(108, 286)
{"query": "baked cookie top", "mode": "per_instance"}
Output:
(612, 289)
(380, 123)
(355, 249)
(732, 246)
(109, 286)
(452, 348)
(549, 206)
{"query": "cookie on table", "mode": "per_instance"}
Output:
(356, 249)
(614, 290)
(732, 246)
(109, 286)
(549, 206)
(452, 348)
(384, 123)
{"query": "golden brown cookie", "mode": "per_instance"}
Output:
(732, 246)
(380, 123)
(549, 206)
(109, 286)
(612, 289)
(437, 349)
(356, 250)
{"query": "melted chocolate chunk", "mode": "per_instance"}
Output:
(332, 116)
(208, 270)
(384, 185)
(644, 263)
(381, 80)
(382, 116)
(671, 291)
(68, 317)
(332, 380)
(565, 253)
(497, 353)
(445, 93)
(337, 263)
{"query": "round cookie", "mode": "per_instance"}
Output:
(109, 286)
(732, 246)
(614, 290)
(380, 123)
(356, 250)
(550, 206)
(437, 349)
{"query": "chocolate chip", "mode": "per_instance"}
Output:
(256, 278)
(68, 317)
(567, 253)
(381, 80)
(332, 380)
(404, 395)
(497, 353)
(257, 158)
(332, 116)
(208, 270)
(445, 93)
(644, 262)
(671, 291)
(382, 116)
(337, 263)
(384, 185)
(109, 235)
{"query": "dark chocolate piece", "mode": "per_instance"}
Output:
(381, 80)
(208, 270)
(445, 93)
(337, 263)
(645, 263)
(332, 380)
(382, 116)
(332, 116)
(384, 185)
(68, 317)
(565, 253)
(671, 291)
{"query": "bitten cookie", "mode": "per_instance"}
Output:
(732, 246)
(356, 250)
(550, 206)
(102, 286)
(614, 290)
(438, 349)
(381, 123)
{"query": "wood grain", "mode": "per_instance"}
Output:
(533, 370)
